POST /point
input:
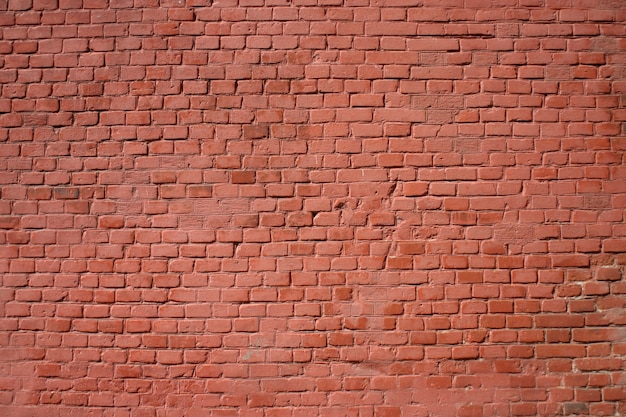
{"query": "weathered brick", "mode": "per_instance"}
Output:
(343, 208)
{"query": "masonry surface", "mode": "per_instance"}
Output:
(271, 208)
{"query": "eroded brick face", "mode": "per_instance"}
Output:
(269, 208)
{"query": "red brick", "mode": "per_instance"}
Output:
(243, 177)
(560, 351)
(333, 209)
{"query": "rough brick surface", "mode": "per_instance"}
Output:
(364, 208)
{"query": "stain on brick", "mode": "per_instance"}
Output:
(66, 193)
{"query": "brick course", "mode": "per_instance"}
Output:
(367, 208)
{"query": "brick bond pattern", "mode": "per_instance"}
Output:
(312, 208)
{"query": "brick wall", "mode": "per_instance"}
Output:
(312, 208)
